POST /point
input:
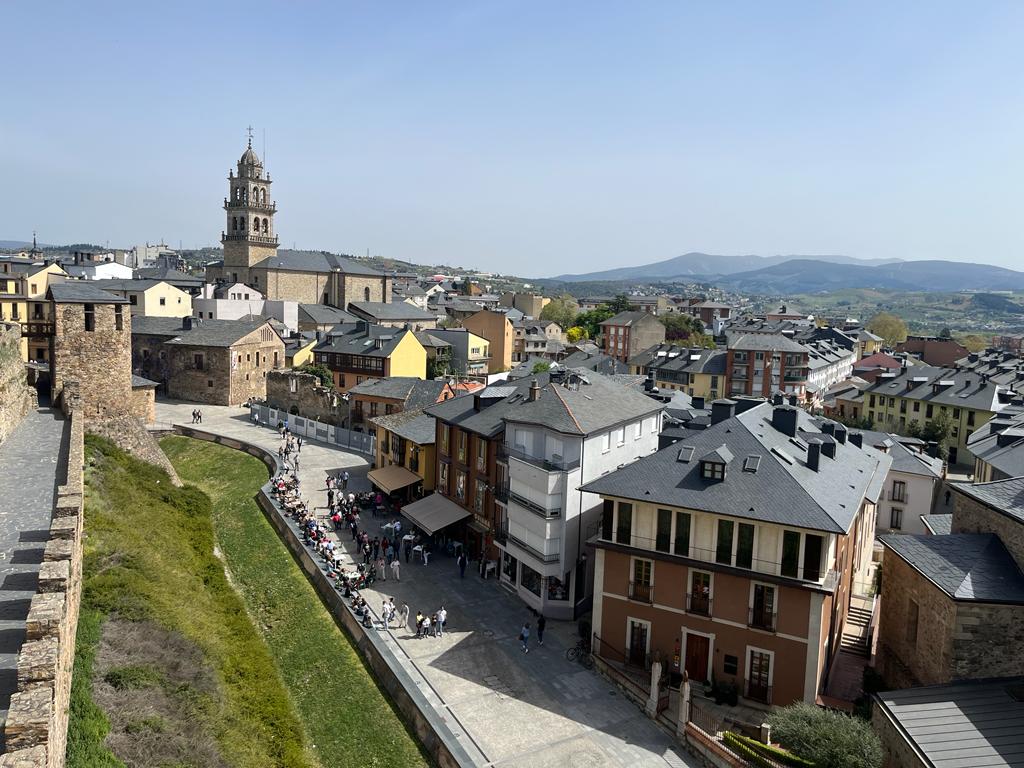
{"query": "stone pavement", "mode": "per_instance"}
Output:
(29, 463)
(508, 708)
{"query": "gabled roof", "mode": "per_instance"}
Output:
(782, 490)
(764, 342)
(1007, 496)
(379, 310)
(413, 425)
(966, 566)
(169, 275)
(204, 333)
(413, 392)
(82, 292)
(628, 318)
(361, 338)
(904, 459)
(117, 284)
(938, 525)
(300, 261)
(324, 314)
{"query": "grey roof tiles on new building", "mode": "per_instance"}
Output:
(82, 292)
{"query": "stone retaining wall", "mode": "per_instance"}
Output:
(37, 723)
(17, 398)
(428, 725)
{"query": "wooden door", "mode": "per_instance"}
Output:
(697, 657)
(638, 644)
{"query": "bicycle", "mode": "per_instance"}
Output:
(581, 653)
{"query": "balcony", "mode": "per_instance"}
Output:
(532, 506)
(234, 205)
(699, 605)
(761, 618)
(243, 237)
(37, 328)
(543, 549)
(641, 592)
(757, 691)
(501, 492)
(549, 465)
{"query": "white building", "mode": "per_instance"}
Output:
(238, 301)
(579, 426)
(827, 364)
(101, 270)
(911, 487)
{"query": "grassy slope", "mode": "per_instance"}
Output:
(149, 557)
(350, 720)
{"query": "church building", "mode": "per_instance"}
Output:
(251, 255)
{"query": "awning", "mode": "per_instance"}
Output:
(390, 479)
(434, 512)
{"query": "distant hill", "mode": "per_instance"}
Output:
(20, 245)
(812, 275)
(995, 303)
(697, 264)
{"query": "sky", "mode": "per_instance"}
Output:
(530, 138)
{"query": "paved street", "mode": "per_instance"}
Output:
(29, 459)
(508, 708)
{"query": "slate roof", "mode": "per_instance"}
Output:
(428, 340)
(294, 261)
(768, 342)
(591, 361)
(968, 388)
(379, 310)
(962, 725)
(939, 525)
(359, 338)
(904, 459)
(413, 392)
(139, 382)
(169, 275)
(82, 292)
(627, 318)
(783, 490)
(966, 566)
(984, 442)
(120, 284)
(204, 333)
(324, 314)
(1005, 495)
(413, 425)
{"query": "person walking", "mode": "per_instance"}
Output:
(344, 480)
(395, 565)
(462, 561)
(541, 623)
(200, 416)
(442, 618)
(404, 614)
(408, 550)
(524, 637)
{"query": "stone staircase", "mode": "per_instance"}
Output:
(855, 638)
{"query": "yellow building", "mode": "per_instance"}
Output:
(150, 298)
(23, 285)
(496, 328)
(697, 372)
(405, 453)
(298, 351)
(358, 351)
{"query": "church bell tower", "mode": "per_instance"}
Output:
(249, 236)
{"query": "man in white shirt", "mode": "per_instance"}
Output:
(442, 617)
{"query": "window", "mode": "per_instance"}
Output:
(682, 542)
(699, 598)
(624, 529)
(163, 301)
(762, 609)
(640, 587)
(90, 317)
(606, 442)
(912, 611)
(723, 551)
(462, 447)
(664, 532)
(620, 436)
(481, 454)
(928, 411)
(970, 418)
(730, 664)
(445, 429)
(712, 470)
(460, 485)
(638, 430)
(896, 519)
(133, 299)
(209, 383)
(118, 318)
(917, 407)
(528, 577)
(812, 556)
(442, 481)
(607, 519)
(478, 498)
(759, 676)
(899, 491)
(745, 546)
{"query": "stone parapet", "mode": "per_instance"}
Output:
(35, 731)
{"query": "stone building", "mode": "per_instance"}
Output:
(220, 362)
(251, 255)
(303, 394)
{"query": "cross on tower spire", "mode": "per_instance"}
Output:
(249, 131)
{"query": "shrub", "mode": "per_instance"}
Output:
(132, 678)
(826, 738)
(322, 372)
(762, 755)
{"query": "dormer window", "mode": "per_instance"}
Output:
(712, 470)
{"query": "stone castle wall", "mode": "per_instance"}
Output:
(37, 723)
(288, 390)
(99, 361)
(16, 397)
(970, 516)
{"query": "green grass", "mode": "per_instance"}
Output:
(349, 719)
(149, 557)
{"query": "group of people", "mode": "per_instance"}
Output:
(431, 625)
(197, 416)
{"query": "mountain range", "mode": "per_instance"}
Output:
(810, 274)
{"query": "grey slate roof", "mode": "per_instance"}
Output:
(413, 425)
(118, 284)
(783, 490)
(903, 458)
(82, 292)
(139, 382)
(204, 333)
(413, 392)
(627, 318)
(962, 725)
(591, 361)
(168, 275)
(358, 339)
(1005, 495)
(968, 388)
(768, 342)
(295, 261)
(966, 566)
(984, 442)
(324, 314)
(378, 310)
(939, 525)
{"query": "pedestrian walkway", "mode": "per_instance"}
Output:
(514, 709)
(30, 461)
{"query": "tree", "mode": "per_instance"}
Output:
(591, 321)
(541, 366)
(322, 372)
(561, 310)
(945, 333)
(681, 326)
(620, 303)
(939, 430)
(890, 327)
(575, 333)
(826, 738)
(974, 342)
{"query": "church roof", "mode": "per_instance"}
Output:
(306, 261)
(249, 157)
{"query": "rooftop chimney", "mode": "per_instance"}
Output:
(828, 428)
(840, 433)
(857, 439)
(534, 391)
(777, 398)
(814, 454)
(721, 410)
(828, 448)
(697, 401)
(784, 418)
(793, 400)
(186, 323)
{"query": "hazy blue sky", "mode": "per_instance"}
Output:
(528, 137)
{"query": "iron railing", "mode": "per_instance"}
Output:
(533, 506)
(641, 592)
(549, 465)
(761, 618)
(698, 604)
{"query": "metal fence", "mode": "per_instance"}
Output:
(362, 442)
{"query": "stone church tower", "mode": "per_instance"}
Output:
(248, 237)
